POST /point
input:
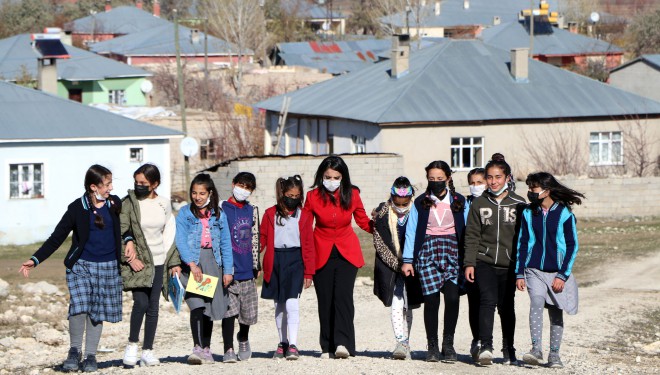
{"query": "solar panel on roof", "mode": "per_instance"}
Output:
(542, 25)
(51, 48)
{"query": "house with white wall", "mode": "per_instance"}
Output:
(46, 146)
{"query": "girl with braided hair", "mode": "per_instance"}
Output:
(433, 243)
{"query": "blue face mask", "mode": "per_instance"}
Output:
(499, 192)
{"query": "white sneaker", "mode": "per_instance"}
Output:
(341, 352)
(148, 358)
(131, 354)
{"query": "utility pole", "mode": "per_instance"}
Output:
(531, 29)
(182, 101)
(207, 104)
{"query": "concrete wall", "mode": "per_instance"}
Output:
(26, 221)
(638, 78)
(97, 91)
(372, 173)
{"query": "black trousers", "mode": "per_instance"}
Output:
(432, 308)
(334, 285)
(145, 302)
(497, 287)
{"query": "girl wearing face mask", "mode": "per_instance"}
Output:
(289, 264)
(204, 244)
(148, 227)
(391, 286)
(334, 202)
(92, 265)
(547, 247)
(490, 253)
(434, 242)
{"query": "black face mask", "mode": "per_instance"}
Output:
(534, 198)
(291, 203)
(141, 191)
(437, 187)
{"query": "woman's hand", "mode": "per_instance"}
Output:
(407, 269)
(469, 274)
(558, 285)
(176, 270)
(136, 265)
(196, 272)
(227, 279)
(129, 251)
(307, 283)
(520, 284)
(26, 268)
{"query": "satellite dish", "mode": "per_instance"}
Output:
(594, 17)
(146, 86)
(189, 146)
(325, 26)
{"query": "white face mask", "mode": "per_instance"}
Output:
(477, 190)
(208, 200)
(498, 193)
(99, 197)
(240, 194)
(331, 185)
(401, 210)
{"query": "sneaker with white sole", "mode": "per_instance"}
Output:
(509, 355)
(207, 356)
(148, 358)
(131, 354)
(244, 350)
(485, 356)
(554, 361)
(196, 357)
(341, 352)
(326, 355)
(230, 356)
(534, 357)
(401, 351)
(292, 353)
(474, 350)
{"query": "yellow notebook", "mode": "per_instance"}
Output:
(206, 288)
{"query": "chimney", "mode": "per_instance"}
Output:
(437, 8)
(194, 36)
(496, 20)
(65, 37)
(561, 23)
(466, 4)
(520, 64)
(573, 27)
(108, 5)
(400, 55)
(139, 4)
(156, 8)
(47, 75)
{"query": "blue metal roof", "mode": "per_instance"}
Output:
(29, 114)
(159, 41)
(560, 42)
(334, 57)
(653, 60)
(17, 56)
(461, 81)
(306, 10)
(119, 20)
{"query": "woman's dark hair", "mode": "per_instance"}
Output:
(345, 189)
(245, 178)
(282, 185)
(94, 176)
(558, 192)
(497, 160)
(480, 171)
(150, 172)
(427, 202)
(402, 183)
(205, 179)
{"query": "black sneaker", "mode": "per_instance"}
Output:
(72, 361)
(433, 352)
(449, 354)
(485, 356)
(89, 364)
(509, 355)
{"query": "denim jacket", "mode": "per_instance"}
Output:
(189, 238)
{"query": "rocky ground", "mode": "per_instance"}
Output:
(616, 331)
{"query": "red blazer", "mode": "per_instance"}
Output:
(267, 233)
(333, 227)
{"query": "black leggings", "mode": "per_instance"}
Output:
(228, 332)
(497, 288)
(145, 302)
(201, 327)
(432, 307)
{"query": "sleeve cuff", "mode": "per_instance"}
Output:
(128, 238)
(521, 276)
(407, 260)
(562, 276)
(35, 260)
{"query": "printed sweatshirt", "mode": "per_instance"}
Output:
(492, 229)
(547, 242)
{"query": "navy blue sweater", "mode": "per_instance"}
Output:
(241, 220)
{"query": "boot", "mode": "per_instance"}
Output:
(448, 352)
(433, 353)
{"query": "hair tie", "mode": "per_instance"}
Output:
(402, 191)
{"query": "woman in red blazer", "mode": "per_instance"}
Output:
(334, 203)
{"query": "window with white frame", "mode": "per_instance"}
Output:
(26, 181)
(359, 144)
(116, 97)
(605, 148)
(207, 149)
(467, 152)
(136, 154)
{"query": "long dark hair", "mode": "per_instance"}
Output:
(427, 202)
(205, 179)
(345, 189)
(558, 192)
(94, 176)
(150, 172)
(282, 185)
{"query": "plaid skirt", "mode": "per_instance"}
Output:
(95, 289)
(437, 262)
(243, 301)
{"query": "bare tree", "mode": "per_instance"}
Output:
(560, 151)
(638, 147)
(240, 22)
(387, 11)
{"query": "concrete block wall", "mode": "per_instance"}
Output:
(372, 173)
